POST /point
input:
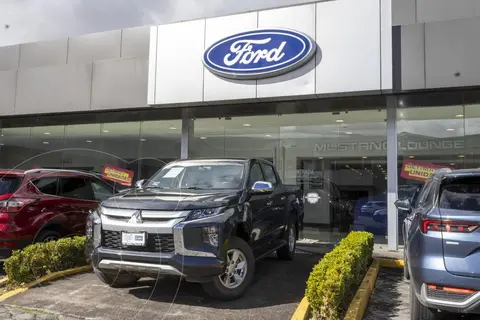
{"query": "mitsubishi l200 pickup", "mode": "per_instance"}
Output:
(206, 221)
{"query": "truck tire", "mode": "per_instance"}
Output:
(116, 279)
(417, 310)
(287, 252)
(239, 269)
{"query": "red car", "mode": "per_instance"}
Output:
(46, 204)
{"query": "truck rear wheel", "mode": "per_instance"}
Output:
(238, 274)
(287, 252)
(116, 279)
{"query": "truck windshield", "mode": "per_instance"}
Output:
(199, 176)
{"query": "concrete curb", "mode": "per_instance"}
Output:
(303, 310)
(48, 277)
(359, 303)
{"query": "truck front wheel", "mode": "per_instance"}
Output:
(116, 279)
(238, 274)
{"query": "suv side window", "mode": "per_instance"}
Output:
(100, 190)
(255, 175)
(269, 173)
(47, 185)
(425, 194)
(76, 188)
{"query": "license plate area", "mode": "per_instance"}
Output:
(134, 239)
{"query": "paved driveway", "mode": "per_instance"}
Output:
(276, 291)
(390, 300)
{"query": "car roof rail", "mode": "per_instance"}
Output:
(55, 170)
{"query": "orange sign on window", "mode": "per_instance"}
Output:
(418, 170)
(117, 174)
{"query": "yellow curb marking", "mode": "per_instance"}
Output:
(48, 277)
(391, 263)
(359, 303)
(303, 310)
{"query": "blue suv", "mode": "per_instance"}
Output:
(442, 244)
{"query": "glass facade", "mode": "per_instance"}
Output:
(143, 147)
(337, 158)
(334, 150)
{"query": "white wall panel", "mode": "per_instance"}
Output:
(217, 88)
(452, 53)
(300, 81)
(386, 45)
(8, 82)
(404, 12)
(179, 68)
(59, 88)
(348, 34)
(441, 10)
(413, 56)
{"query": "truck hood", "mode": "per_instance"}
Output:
(152, 199)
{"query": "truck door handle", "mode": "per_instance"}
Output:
(269, 203)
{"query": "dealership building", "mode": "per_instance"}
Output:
(355, 101)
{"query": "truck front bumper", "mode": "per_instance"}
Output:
(152, 264)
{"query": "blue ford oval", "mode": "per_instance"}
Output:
(257, 54)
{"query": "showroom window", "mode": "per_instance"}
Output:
(338, 159)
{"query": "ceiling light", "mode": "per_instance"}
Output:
(452, 163)
(461, 156)
(2, 144)
(349, 132)
(143, 139)
(459, 116)
(364, 157)
(2, 134)
(247, 125)
(339, 121)
(203, 138)
(47, 133)
(46, 142)
(268, 135)
(88, 141)
(320, 158)
(411, 157)
(450, 129)
(106, 131)
(172, 128)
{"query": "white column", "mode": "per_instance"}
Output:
(187, 134)
(392, 173)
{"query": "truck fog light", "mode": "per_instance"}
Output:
(210, 235)
(89, 229)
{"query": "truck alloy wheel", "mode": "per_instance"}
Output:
(236, 269)
(238, 273)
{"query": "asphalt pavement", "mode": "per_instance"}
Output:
(277, 289)
(391, 299)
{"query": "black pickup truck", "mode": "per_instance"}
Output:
(207, 221)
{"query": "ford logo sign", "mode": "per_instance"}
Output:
(257, 54)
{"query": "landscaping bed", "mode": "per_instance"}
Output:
(334, 280)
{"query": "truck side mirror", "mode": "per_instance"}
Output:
(403, 205)
(262, 187)
(140, 183)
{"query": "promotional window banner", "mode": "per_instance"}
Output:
(117, 174)
(418, 170)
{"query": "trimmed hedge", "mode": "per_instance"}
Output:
(331, 284)
(42, 258)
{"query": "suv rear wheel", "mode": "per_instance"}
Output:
(418, 310)
(116, 279)
(238, 274)
(47, 236)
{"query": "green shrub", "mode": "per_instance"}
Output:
(40, 259)
(333, 280)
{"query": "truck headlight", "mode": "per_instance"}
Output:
(93, 228)
(204, 213)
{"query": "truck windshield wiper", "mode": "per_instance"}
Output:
(154, 187)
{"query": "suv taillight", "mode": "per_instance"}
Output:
(448, 226)
(14, 205)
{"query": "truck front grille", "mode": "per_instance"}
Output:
(155, 242)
